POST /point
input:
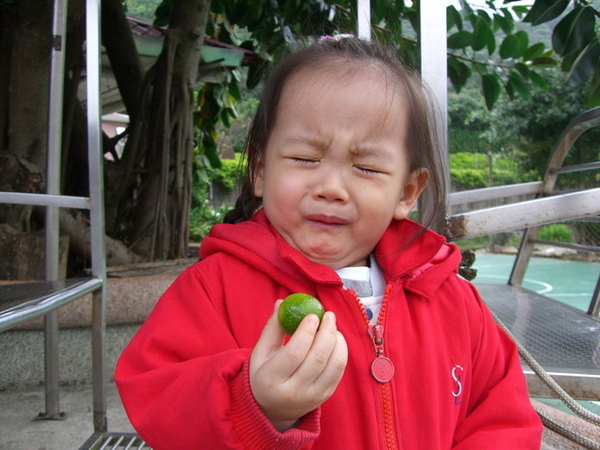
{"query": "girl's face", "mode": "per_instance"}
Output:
(336, 167)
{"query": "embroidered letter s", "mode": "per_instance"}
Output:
(457, 372)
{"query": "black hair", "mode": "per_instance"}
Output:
(420, 134)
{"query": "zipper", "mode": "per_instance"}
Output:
(382, 368)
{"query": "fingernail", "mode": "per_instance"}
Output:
(330, 315)
(313, 320)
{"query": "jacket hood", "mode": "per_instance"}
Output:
(419, 258)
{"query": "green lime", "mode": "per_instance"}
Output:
(295, 307)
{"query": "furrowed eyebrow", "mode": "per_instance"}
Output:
(305, 140)
(371, 151)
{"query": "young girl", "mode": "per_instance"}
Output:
(407, 355)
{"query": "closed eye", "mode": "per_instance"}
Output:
(305, 161)
(369, 170)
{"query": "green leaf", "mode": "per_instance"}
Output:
(510, 46)
(592, 98)
(535, 51)
(523, 70)
(520, 10)
(234, 91)
(487, 15)
(460, 39)
(538, 80)
(585, 65)
(412, 15)
(210, 29)
(480, 69)
(518, 84)
(490, 85)
(453, 18)
(574, 31)
(163, 13)
(458, 72)
(510, 91)
(545, 10)
(217, 8)
(483, 36)
(382, 9)
(210, 151)
(523, 42)
(544, 61)
(225, 118)
(568, 60)
(255, 11)
(504, 22)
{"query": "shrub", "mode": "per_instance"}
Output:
(463, 179)
(461, 140)
(229, 173)
(472, 170)
(203, 214)
(203, 219)
(557, 232)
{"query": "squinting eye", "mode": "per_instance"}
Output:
(368, 171)
(305, 161)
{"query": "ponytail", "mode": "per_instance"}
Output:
(245, 205)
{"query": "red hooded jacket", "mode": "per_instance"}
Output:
(458, 381)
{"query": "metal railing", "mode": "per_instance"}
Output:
(53, 201)
(549, 206)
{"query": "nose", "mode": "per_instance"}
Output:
(331, 185)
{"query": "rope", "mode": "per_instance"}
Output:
(561, 394)
(566, 432)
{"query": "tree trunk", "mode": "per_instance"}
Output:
(28, 94)
(24, 255)
(6, 25)
(161, 216)
(152, 184)
(76, 226)
(123, 56)
(122, 176)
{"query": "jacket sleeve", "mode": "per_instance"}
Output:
(184, 380)
(500, 414)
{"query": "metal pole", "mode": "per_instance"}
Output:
(434, 59)
(364, 19)
(52, 259)
(594, 308)
(95, 156)
(434, 73)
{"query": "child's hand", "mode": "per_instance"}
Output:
(290, 381)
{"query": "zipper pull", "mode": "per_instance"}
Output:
(382, 368)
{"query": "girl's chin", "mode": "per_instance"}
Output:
(335, 260)
(323, 251)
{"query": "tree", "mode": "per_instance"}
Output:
(574, 41)
(142, 9)
(533, 127)
(148, 190)
(161, 216)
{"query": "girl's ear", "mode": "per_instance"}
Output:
(417, 180)
(259, 181)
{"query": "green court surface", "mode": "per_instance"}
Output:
(571, 282)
